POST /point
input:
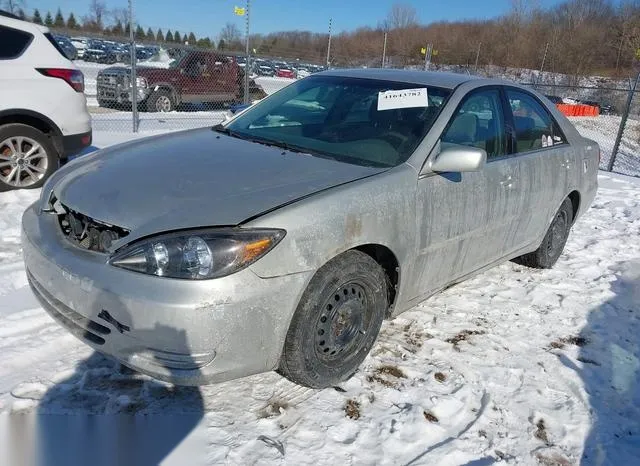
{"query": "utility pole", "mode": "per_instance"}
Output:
(427, 56)
(329, 44)
(478, 56)
(544, 59)
(247, 66)
(384, 49)
(134, 78)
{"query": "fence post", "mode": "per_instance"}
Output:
(134, 78)
(623, 124)
(247, 66)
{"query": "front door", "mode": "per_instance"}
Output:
(464, 219)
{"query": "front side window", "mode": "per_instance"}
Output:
(340, 118)
(535, 128)
(13, 42)
(479, 122)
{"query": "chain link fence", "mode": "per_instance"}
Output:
(179, 86)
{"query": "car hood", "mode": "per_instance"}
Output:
(193, 179)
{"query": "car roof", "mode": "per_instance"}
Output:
(427, 78)
(27, 26)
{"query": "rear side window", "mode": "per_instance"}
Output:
(13, 42)
(55, 44)
(535, 128)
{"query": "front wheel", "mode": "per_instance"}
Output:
(161, 101)
(27, 157)
(336, 322)
(553, 243)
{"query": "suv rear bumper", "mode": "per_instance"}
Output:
(74, 143)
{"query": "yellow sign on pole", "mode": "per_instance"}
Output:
(239, 10)
(423, 50)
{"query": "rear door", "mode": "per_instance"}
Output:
(465, 218)
(546, 162)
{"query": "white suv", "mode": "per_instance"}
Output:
(43, 109)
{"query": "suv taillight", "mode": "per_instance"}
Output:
(74, 78)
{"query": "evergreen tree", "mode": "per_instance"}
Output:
(59, 20)
(139, 33)
(177, 37)
(192, 39)
(221, 44)
(150, 35)
(48, 20)
(117, 29)
(206, 42)
(21, 14)
(159, 36)
(169, 36)
(127, 30)
(71, 22)
(36, 17)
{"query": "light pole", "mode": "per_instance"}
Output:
(384, 49)
(329, 45)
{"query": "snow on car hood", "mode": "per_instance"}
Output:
(192, 179)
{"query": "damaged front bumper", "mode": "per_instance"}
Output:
(181, 331)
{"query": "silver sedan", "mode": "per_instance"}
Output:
(282, 239)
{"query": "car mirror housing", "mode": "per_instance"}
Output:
(458, 158)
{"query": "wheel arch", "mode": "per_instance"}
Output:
(391, 266)
(177, 97)
(35, 120)
(574, 197)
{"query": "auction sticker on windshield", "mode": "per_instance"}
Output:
(403, 98)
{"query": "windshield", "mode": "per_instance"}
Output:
(341, 118)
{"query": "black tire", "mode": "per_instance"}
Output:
(160, 95)
(50, 155)
(553, 243)
(336, 322)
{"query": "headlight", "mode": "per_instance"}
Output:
(141, 82)
(197, 254)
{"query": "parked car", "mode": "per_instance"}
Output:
(43, 110)
(196, 76)
(286, 237)
(67, 47)
(285, 73)
(554, 99)
(265, 70)
(100, 52)
(80, 43)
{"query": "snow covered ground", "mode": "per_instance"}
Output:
(515, 366)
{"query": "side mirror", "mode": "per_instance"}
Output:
(457, 158)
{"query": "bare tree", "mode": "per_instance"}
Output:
(119, 15)
(401, 16)
(14, 6)
(97, 12)
(230, 33)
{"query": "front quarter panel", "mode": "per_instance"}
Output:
(377, 210)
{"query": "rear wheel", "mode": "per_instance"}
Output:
(336, 322)
(553, 243)
(161, 101)
(27, 157)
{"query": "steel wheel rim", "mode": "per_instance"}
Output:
(163, 104)
(23, 161)
(343, 322)
(558, 231)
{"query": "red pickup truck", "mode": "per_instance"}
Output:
(195, 77)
